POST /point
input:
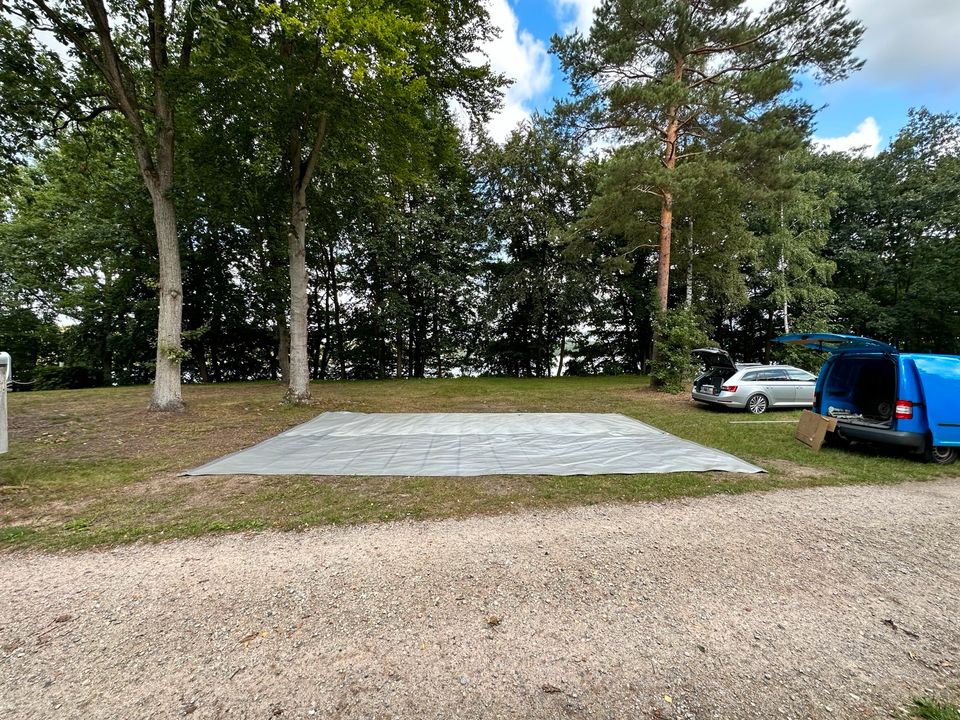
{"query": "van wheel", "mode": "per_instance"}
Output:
(836, 440)
(942, 455)
(757, 404)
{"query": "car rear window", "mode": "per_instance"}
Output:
(800, 375)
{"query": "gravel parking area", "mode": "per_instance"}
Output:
(823, 603)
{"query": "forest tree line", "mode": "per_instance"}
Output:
(215, 192)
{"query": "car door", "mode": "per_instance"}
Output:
(804, 385)
(777, 386)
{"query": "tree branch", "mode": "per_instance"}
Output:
(188, 35)
(311, 164)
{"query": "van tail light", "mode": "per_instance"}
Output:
(728, 388)
(904, 410)
(816, 400)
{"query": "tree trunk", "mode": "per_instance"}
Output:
(563, 344)
(166, 387)
(666, 215)
(298, 388)
(301, 176)
(437, 346)
(316, 347)
(94, 41)
(202, 370)
(324, 362)
(783, 271)
(283, 349)
(337, 324)
(399, 341)
(215, 361)
(689, 302)
(768, 338)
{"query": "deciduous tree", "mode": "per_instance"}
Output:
(126, 58)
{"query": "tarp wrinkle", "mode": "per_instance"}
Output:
(471, 444)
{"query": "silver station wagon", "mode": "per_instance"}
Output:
(752, 387)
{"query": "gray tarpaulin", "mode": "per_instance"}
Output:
(465, 444)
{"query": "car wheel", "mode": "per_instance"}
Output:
(942, 455)
(757, 404)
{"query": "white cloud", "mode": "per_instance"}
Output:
(909, 42)
(864, 141)
(576, 14)
(905, 42)
(522, 58)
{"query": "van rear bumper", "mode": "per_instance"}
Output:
(900, 438)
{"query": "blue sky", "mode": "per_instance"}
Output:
(911, 49)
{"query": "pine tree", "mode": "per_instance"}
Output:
(681, 79)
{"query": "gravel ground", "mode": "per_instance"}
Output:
(825, 603)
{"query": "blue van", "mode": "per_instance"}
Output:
(881, 395)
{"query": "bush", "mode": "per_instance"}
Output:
(676, 333)
(71, 377)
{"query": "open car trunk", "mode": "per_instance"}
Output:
(862, 390)
(718, 367)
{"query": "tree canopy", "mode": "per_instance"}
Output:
(294, 184)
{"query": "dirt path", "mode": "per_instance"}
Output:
(825, 603)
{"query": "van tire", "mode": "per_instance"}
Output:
(836, 440)
(757, 403)
(942, 455)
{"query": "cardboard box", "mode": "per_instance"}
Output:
(813, 428)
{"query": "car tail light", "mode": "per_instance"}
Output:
(904, 410)
(728, 388)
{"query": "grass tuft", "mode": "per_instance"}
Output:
(927, 709)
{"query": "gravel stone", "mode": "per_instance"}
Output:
(823, 603)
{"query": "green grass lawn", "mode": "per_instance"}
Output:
(92, 467)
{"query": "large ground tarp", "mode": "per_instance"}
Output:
(470, 444)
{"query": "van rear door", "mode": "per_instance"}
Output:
(940, 379)
(835, 343)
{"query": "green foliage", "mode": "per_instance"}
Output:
(70, 377)
(78, 244)
(894, 238)
(678, 332)
(534, 187)
(431, 253)
(695, 93)
(28, 339)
